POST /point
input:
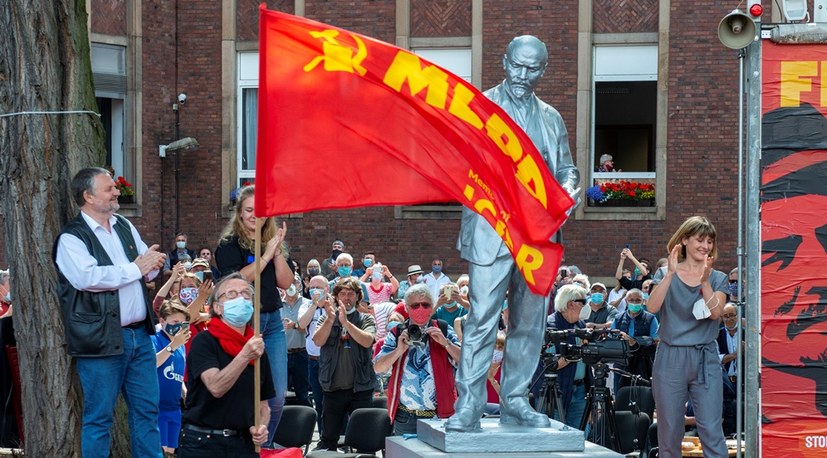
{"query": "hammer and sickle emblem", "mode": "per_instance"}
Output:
(338, 57)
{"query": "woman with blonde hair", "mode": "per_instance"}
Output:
(235, 254)
(690, 297)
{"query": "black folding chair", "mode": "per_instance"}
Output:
(296, 427)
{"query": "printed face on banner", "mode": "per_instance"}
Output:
(794, 252)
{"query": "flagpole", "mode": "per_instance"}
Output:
(257, 329)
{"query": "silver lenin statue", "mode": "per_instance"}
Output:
(492, 268)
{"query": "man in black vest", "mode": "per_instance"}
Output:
(346, 374)
(102, 264)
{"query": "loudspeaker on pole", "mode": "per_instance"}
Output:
(736, 30)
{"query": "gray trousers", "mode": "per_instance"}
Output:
(526, 325)
(689, 373)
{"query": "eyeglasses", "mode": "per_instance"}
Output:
(733, 282)
(416, 305)
(232, 294)
(580, 301)
(730, 315)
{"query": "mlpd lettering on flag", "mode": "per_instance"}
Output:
(347, 121)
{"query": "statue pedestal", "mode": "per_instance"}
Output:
(495, 441)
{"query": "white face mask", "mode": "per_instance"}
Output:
(585, 312)
(700, 310)
(291, 291)
(498, 356)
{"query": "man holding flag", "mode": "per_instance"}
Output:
(492, 267)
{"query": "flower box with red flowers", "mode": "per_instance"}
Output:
(621, 193)
(127, 191)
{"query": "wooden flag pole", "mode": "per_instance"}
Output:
(257, 328)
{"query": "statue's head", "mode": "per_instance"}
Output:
(524, 62)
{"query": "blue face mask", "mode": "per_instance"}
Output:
(367, 262)
(637, 272)
(436, 269)
(173, 329)
(316, 293)
(7, 298)
(597, 298)
(645, 296)
(733, 289)
(181, 245)
(344, 271)
(450, 305)
(635, 308)
(200, 275)
(237, 312)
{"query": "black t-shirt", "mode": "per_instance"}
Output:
(234, 410)
(630, 284)
(231, 257)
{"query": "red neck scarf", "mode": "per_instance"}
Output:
(230, 340)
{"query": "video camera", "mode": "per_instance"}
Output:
(604, 346)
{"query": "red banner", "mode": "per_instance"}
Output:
(348, 121)
(794, 251)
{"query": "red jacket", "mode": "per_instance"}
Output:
(446, 392)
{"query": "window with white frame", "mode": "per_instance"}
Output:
(624, 117)
(455, 60)
(247, 116)
(109, 76)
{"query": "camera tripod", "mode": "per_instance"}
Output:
(550, 396)
(600, 408)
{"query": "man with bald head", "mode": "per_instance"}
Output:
(491, 267)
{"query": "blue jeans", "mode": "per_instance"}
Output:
(574, 411)
(316, 387)
(578, 404)
(132, 373)
(272, 331)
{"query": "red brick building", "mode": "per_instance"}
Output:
(645, 81)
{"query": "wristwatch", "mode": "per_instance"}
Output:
(169, 349)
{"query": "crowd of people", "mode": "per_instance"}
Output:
(337, 340)
(337, 334)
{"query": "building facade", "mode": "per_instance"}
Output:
(645, 81)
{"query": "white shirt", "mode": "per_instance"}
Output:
(82, 271)
(732, 345)
(312, 348)
(434, 282)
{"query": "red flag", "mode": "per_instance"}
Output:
(348, 121)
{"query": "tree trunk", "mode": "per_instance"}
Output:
(44, 66)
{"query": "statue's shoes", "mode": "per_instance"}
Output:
(465, 421)
(524, 416)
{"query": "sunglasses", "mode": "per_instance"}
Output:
(416, 305)
(581, 301)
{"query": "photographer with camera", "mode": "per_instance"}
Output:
(572, 376)
(639, 329)
(421, 354)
